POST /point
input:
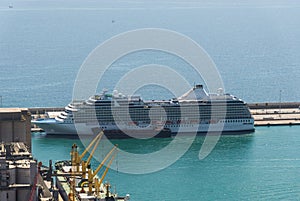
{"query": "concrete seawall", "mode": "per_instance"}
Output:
(275, 114)
(273, 105)
(43, 110)
(264, 114)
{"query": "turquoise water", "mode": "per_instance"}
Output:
(256, 48)
(260, 166)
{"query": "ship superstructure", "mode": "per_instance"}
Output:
(194, 111)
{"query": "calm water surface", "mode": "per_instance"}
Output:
(255, 45)
(256, 48)
(260, 166)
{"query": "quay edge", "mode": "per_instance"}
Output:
(264, 113)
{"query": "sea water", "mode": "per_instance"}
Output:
(255, 46)
(260, 166)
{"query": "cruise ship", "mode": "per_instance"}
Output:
(129, 116)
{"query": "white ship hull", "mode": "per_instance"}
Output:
(130, 116)
(54, 127)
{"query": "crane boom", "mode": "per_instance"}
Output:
(107, 168)
(98, 137)
(93, 150)
(104, 160)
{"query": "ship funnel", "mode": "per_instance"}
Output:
(196, 93)
(220, 91)
(115, 93)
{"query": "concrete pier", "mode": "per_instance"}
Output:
(264, 114)
(276, 116)
(273, 105)
(44, 110)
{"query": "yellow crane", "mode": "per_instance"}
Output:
(91, 174)
(96, 140)
(76, 159)
(86, 171)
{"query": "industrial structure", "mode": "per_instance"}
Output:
(19, 176)
(15, 124)
(19, 172)
(22, 178)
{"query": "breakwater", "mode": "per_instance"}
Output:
(275, 114)
(264, 114)
(44, 110)
(273, 105)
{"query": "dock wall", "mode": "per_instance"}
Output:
(275, 114)
(274, 105)
(264, 114)
(266, 105)
(43, 110)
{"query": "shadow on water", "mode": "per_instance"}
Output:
(225, 145)
(225, 163)
(230, 145)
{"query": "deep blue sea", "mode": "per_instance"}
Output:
(254, 44)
